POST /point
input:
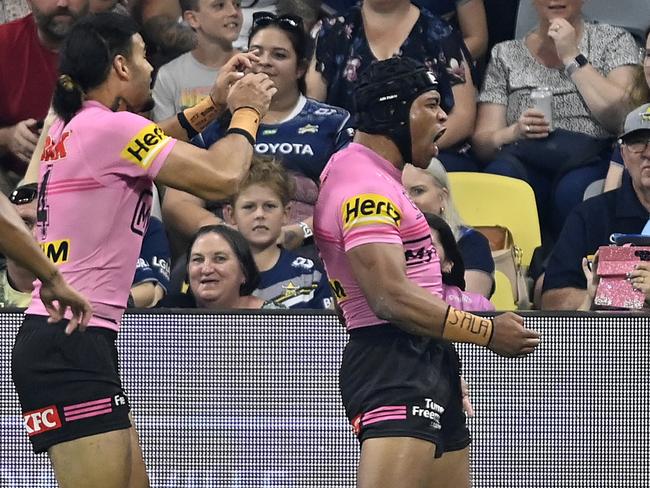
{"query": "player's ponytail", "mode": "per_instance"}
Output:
(86, 58)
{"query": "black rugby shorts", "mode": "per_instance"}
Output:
(395, 384)
(68, 386)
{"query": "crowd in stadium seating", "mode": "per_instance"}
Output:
(314, 52)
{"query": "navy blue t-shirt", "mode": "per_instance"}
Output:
(303, 142)
(474, 247)
(295, 282)
(588, 227)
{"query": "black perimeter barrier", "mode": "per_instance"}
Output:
(248, 400)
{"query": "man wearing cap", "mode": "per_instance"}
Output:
(590, 225)
(400, 374)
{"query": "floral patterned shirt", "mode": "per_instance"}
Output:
(343, 52)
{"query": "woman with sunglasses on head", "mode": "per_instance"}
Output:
(300, 132)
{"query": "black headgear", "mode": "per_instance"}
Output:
(384, 95)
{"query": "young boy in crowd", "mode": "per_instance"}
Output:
(259, 210)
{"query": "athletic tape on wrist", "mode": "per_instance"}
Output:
(466, 327)
(201, 114)
(245, 121)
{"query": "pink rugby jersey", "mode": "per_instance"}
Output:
(362, 201)
(94, 200)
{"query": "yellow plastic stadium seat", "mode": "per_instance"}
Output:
(486, 199)
(502, 298)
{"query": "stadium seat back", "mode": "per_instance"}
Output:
(484, 199)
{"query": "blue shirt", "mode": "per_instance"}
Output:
(295, 282)
(587, 228)
(474, 247)
(303, 142)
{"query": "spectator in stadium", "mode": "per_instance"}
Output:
(184, 81)
(28, 56)
(91, 218)
(300, 132)
(590, 225)
(589, 69)
(259, 210)
(17, 243)
(376, 30)
(164, 34)
(429, 189)
(640, 94)
(466, 16)
(15, 281)
(453, 270)
(221, 271)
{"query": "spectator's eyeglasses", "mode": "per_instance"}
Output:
(24, 194)
(286, 22)
(637, 146)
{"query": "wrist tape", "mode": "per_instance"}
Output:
(245, 121)
(201, 114)
(466, 327)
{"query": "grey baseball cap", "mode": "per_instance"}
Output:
(638, 119)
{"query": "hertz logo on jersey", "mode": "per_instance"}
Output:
(145, 146)
(369, 208)
(57, 251)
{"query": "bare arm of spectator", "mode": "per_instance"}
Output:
(478, 282)
(185, 214)
(473, 26)
(316, 84)
(563, 298)
(614, 176)
(606, 96)
(20, 139)
(492, 132)
(460, 122)
(31, 175)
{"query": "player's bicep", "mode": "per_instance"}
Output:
(378, 268)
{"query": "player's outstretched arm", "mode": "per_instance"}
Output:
(194, 119)
(17, 243)
(380, 271)
(216, 173)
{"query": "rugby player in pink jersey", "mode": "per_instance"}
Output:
(96, 174)
(400, 373)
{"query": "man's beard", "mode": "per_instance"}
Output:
(54, 29)
(148, 105)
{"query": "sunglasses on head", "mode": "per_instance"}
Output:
(24, 194)
(287, 22)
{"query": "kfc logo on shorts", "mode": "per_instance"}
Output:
(43, 420)
(356, 424)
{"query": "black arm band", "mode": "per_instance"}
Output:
(185, 124)
(246, 134)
